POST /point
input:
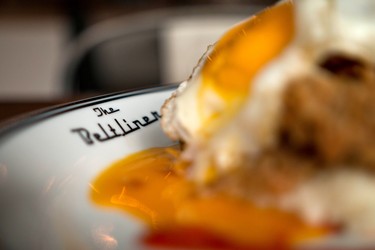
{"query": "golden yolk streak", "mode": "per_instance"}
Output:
(239, 55)
(152, 185)
(132, 185)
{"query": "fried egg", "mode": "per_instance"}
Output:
(207, 104)
(284, 100)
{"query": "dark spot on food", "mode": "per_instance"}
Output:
(344, 66)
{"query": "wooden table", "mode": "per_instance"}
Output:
(12, 110)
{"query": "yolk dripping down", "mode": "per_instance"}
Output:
(152, 185)
(239, 55)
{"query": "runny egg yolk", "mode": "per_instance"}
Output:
(238, 56)
(246, 48)
(152, 185)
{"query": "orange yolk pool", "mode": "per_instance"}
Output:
(152, 186)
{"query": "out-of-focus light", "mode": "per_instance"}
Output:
(103, 238)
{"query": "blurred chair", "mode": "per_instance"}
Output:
(145, 49)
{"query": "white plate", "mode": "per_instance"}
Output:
(47, 162)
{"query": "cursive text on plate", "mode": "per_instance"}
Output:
(118, 127)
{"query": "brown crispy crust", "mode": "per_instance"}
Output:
(327, 122)
(330, 117)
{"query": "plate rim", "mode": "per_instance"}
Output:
(10, 126)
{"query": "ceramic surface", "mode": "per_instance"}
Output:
(47, 162)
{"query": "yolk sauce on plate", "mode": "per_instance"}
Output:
(152, 185)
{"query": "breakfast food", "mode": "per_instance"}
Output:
(276, 126)
(281, 112)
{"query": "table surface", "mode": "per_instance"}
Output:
(12, 110)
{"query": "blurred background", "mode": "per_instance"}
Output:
(59, 49)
